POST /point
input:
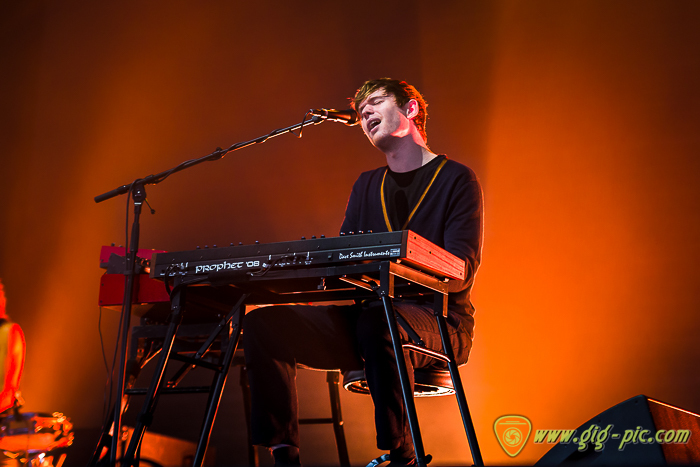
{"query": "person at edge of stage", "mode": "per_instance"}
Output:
(418, 190)
(12, 352)
(12, 349)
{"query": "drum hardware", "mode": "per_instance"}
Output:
(29, 436)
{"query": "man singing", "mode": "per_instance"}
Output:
(435, 197)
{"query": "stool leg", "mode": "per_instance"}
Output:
(333, 379)
(440, 306)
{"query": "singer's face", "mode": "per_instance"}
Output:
(382, 119)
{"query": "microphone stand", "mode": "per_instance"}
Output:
(137, 189)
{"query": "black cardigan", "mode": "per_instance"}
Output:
(450, 215)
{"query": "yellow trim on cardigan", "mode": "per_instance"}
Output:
(410, 216)
(381, 190)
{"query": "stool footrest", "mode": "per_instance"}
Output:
(427, 383)
(426, 351)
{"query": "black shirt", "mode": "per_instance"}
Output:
(404, 190)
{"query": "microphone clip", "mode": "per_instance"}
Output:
(349, 116)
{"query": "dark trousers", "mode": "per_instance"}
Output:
(276, 339)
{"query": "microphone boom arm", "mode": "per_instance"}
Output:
(137, 188)
(218, 154)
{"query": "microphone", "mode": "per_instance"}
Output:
(349, 116)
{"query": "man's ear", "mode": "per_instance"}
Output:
(411, 108)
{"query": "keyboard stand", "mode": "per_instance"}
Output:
(215, 390)
(386, 279)
(388, 273)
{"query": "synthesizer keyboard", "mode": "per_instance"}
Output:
(402, 246)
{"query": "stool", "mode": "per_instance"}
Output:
(427, 383)
(336, 419)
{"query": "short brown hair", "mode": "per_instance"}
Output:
(402, 92)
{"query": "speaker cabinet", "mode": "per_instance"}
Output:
(164, 451)
(639, 419)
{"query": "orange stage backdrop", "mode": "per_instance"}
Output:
(581, 119)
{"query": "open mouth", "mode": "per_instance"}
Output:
(372, 124)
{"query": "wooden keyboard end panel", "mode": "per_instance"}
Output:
(427, 255)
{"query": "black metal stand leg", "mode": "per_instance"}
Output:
(406, 388)
(139, 195)
(145, 416)
(217, 390)
(440, 307)
(102, 454)
(105, 441)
